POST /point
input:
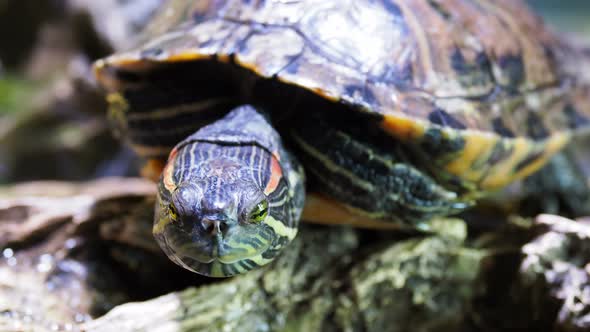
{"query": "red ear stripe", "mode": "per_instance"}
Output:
(276, 173)
(172, 154)
(169, 171)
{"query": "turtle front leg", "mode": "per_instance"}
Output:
(368, 177)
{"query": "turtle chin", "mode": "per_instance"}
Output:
(232, 261)
(245, 248)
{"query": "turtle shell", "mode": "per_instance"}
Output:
(481, 87)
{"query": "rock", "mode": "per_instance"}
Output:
(60, 264)
(537, 284)
(556, 270)
(326, 281)
(91, 240)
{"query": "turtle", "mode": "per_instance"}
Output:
(387, 114)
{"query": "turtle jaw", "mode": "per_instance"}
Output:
(240, 249)
(214, 257)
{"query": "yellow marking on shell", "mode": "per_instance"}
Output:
(504, 173)
(471, 163)
(309, 85)
(133, 61)
(186, 55)
(253, 67)
(130, 61)
(402, 127)
(477, 145)
(317, 90)
(326, 94)
(323, 210)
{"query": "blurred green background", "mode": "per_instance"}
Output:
(568, 15)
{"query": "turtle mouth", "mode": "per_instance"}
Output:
(219, 252)
(233, 255)
(220, 262)
(215, 256)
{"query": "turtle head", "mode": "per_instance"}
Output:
(224, 209)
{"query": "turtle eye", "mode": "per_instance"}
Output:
(172, 212)
(259, 212)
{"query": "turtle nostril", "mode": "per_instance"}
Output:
(210, 226)
(223, 227)
(214, 226)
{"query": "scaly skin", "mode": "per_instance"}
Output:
(230, 197)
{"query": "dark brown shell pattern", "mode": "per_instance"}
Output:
(487, 72)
